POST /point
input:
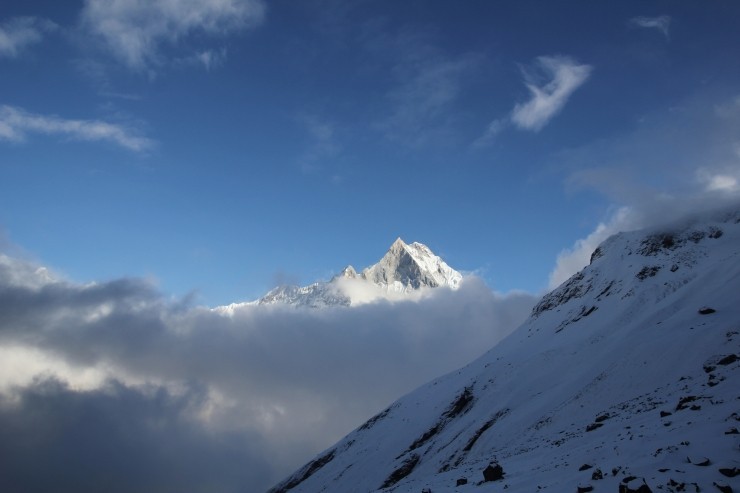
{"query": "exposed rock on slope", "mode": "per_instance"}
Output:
(622, 368)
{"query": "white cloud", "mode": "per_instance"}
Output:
(678, 160)
(282, 383)
(135, 31)
(19, 32)
(726, 181)
(662, 23)
(658, 209)
(16, 123)
(577, 257)
(565, 76)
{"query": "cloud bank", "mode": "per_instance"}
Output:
(16, 124)
(692, 150)
(113, 387)
(135, 32)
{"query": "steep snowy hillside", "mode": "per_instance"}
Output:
(403, 270)
(624, 379)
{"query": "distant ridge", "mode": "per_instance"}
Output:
(404, 269)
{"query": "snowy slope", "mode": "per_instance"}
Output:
(628, 369)
(403, 270)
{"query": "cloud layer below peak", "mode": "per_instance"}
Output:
(250, 396)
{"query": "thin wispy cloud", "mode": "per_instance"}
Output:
(662, 23)
(208, 59)
(425, 94)
(563, 74)
(16, 124)
(137, 32)
(551, 81)
(17, 33)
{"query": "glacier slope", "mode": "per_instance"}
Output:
(621, 368)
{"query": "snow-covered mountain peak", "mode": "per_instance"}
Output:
(403, 270)
(397, 245)
(405, 267)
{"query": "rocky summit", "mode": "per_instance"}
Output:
(406, 269)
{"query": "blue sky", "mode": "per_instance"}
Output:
(223, 147)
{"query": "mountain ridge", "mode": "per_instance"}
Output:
(405, 269)
(621, 377)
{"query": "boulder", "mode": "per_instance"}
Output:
(493, 472)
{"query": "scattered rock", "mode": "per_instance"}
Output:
(723, 487)
(705, 310)
(729, 472)
(461, 481)
(684, 401)
(664, 414)
(585, 488)
(615, 470)
(727, 360)
(493, 472)
(635, 485)
(646, 272)
(699, 461)
(597, 475)
(594, 426)
(602, 417)
(426, 490)
(585, 467)
(676, 485)
(732, 431)
(695, 407)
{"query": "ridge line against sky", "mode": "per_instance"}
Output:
(264, 126)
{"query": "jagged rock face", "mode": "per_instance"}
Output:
(623, 367)
(411, 267)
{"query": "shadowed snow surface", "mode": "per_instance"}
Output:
(630, 367)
